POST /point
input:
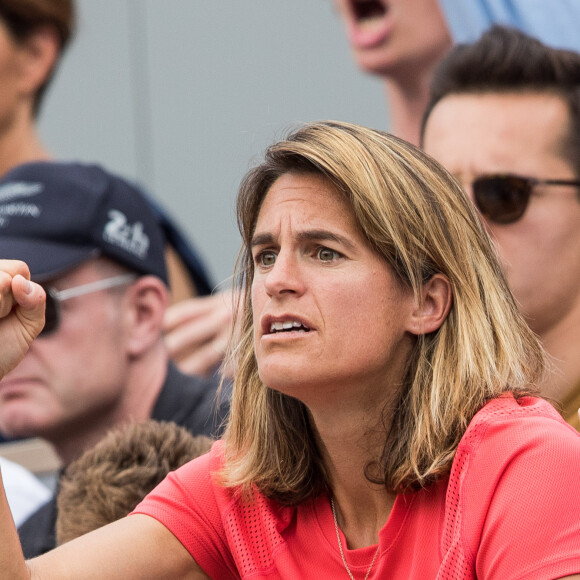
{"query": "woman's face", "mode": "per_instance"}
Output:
(327, 309)
(395, 36)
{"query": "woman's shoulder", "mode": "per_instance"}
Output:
(517, 466)
(204, 465)
(517, 421)
(199, 486)
(513, 443)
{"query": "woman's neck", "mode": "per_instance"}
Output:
(350, 441)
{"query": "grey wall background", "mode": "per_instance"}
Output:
(183, 95)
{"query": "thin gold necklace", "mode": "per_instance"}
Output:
(340, 546)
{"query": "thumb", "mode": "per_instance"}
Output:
(30, 301)
(20, 325)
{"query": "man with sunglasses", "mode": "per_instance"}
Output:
(91, 239)
(504, 118)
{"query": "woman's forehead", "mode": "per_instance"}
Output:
(310, 198)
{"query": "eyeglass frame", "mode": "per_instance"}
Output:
(531, 181)
(59, 296)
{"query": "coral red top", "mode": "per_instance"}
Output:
(509, 509)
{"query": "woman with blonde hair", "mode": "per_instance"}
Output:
(384, 422)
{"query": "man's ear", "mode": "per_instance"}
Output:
(38, 55)
(148, 299)
(436, 301)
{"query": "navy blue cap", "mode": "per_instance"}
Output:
(55, 216)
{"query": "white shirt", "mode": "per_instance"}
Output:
(24, 491)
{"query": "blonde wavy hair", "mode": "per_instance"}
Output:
(416, 216)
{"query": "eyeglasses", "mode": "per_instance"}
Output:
(54, 297)
(503, 199)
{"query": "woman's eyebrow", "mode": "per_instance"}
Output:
(319, 235)
(262, 240)
(315, 235)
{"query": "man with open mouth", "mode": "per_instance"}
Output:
(402, 41)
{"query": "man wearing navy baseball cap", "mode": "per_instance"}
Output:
(55, 216)
(91, 239)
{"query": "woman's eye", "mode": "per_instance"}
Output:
(327, 255)
(266, 258)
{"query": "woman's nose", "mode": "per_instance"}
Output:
(285, 276)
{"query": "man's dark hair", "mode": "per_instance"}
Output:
(504, 60)
(23, 17)
(111, 478)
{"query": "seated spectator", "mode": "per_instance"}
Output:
(402, 41)
(108, 480)
(92, 240)
(384, 420)
(504, 118)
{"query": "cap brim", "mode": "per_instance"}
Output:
(45, 259)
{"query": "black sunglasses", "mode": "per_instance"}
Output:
(54, 297)
(503, 199)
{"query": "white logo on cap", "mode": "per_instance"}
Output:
(120, 233)
(14, 189)
(17, 210)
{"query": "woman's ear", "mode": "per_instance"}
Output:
(436, 301)
(39, 52)
(148, 300)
